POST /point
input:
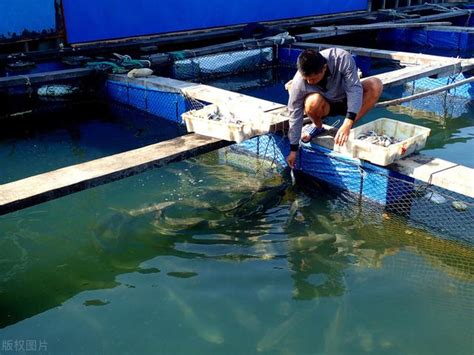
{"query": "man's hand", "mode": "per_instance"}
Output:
(343, 132)
(290, 159)
(305, 137)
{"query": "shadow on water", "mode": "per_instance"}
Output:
(231, 216)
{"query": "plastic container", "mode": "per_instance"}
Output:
(233, 125)
(412, 138)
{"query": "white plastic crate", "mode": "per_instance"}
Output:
(234, 124)
(411, 139)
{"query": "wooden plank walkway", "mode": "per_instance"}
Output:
(404, 75)
(54, 184)
(200, 92)
(406, 58)
(437, 172)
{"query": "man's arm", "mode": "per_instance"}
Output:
(296, 108)
(354, 94)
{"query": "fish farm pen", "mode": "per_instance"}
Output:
(146, 203)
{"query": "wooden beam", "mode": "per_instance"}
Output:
(438, 172)
(47, 77)
(469, 30)
(332, 31)
(379, 26)
(54, 184)
(405, 75)
(441, 16)
(404, 57)
(315, 20)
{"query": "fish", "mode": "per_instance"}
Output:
(117, 231)
(258, 202)
(312, 241)
(203, 328)
(152, 208)
(57, 90)
(377, 139)
(435, 197)
(459, 206)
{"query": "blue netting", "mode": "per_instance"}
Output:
(451, 103)
(168, 105)
(465, 91)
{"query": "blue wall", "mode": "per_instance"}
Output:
(88, 20)
(34, 16)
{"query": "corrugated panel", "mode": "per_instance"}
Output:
(88, 20)
(26, 18)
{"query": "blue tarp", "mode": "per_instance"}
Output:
(108, 19)
(428, 38)
(26, 18)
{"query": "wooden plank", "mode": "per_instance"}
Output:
(404, 75)
(323, 34)
(452, 29)
(331, 31)
(54, 184)
(379, 26)
(438, 172)
(405, 57)
(436, 17)
(47, 77)
(314, 20)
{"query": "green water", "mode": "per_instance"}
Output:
(96, 273)
(201, 257)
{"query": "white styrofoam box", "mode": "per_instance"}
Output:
(234, 126)
(411, 139)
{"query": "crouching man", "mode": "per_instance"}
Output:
(327, 84)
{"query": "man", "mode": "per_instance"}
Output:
(327, 84)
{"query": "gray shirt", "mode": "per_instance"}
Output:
(342, 82)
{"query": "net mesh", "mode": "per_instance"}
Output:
(221, 64)
(165, 104)
(378, 195)
(445, 213)
(451, 103)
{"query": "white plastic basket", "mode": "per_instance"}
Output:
(411, 139)
(240, 129)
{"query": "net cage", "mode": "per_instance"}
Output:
(378, 195)
(196, 68)
(451, 103)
